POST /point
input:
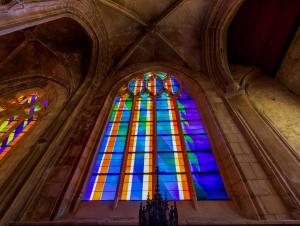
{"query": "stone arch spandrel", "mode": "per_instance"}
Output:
(83, 12)
(214, 40)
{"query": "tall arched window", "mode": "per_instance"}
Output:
(154, 123)
(17, 116)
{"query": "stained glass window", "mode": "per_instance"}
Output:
(17, 116)
(154, 123)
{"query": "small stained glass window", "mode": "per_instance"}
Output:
(17, 116)
(154, 123)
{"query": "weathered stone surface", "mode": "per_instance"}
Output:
(289, 72)
(279, 106)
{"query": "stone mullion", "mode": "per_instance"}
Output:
(125, 157)
(185, 157)
(154, 157)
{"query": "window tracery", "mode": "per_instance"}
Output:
(154, 123)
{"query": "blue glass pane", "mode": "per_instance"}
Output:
(102, 187)
(138, 186)
(141, 128)
(137, 143)
(167, 128)
(185, 104)
(167, 143)
(164, 105)
(142, 163)
(163, 115)
(113, 144)
(89, 190)
(110, 163)
(107, 196)
(196, 142)
(144, 105)
(172, 85)
(123, 105)
(174, 186)
(209, 186)
(117, 128)
(136, 85)
(154, 85)
(202, 162)
(171, 162)
(115, 116)
(141, 116)
(193, 127)
(163, 96)
(184, 95)
(189, 114)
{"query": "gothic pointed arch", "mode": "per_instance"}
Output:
(154, 122)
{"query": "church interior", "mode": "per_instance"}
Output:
(107, 104)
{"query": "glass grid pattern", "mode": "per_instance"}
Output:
(161, 126)
(206, 177)
(172, 177)
(105, 176)
(22, 114)
(139, 165)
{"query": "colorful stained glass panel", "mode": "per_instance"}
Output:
(174, 186)
(172, 84)
(160, 127)
(154, 85)
(107, 167)
(139, 164)
(136, 86)
(209, 186)
(207, 180)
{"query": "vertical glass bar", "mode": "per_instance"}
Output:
(154, 85)
(172, 176)
(138, 172)
(172, 84)
(207, 180)
(105, 176)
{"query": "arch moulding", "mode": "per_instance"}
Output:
(241, 195)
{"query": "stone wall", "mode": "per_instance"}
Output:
(289, 72)
(279, 106)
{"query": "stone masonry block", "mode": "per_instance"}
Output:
(261, 187)
(272, 204)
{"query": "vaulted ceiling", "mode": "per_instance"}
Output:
(145, 31)
(137, 32)
(59, 50)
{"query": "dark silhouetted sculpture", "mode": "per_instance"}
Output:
(156, 212)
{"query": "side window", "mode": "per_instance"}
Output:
(17, 116)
